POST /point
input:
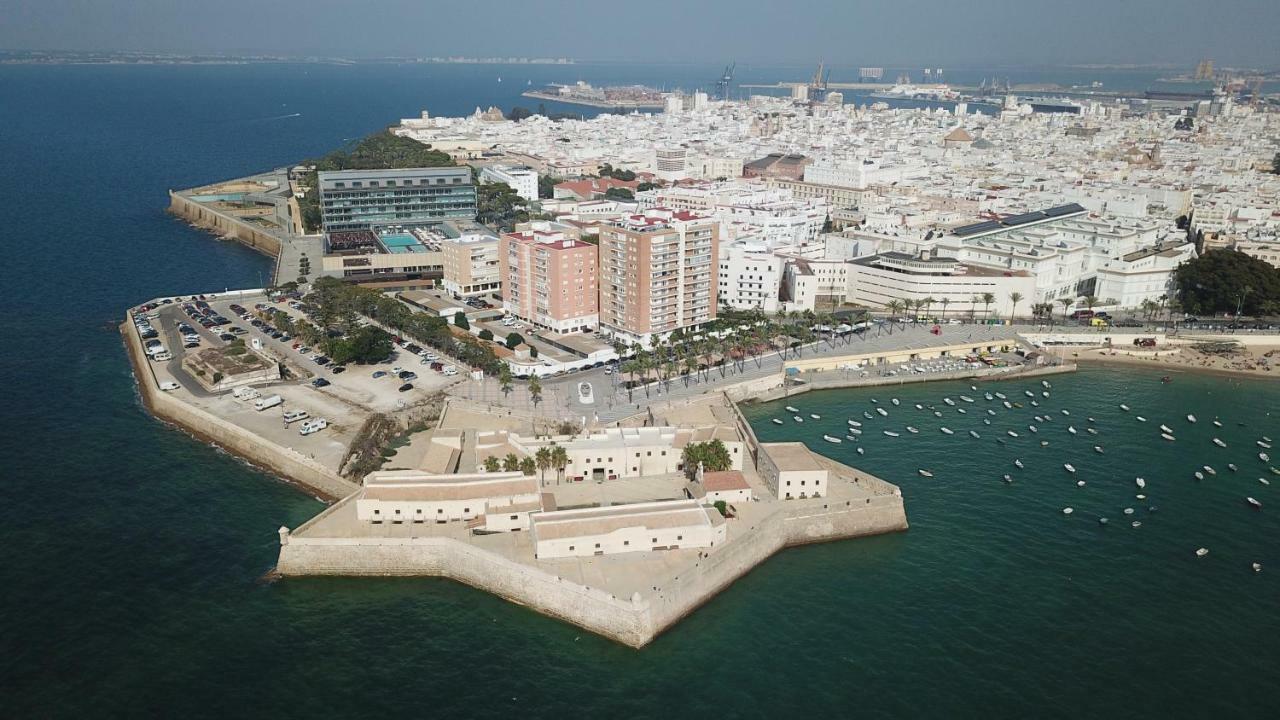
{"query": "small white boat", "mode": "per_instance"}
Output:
(1124, 407)
(912, 430)
(946, 431)
(1265, 445)
(855, 431)
(1266, 439)
(1091, 420)
(1044, 394)
(925, 473)
(1140, 483)
(861, 451)
(1067, 412)
(1139, 418)
(987, 396)
(1202, 552)
(1166, 428)
(1232, 467)
(1140, 496)
(1028, 393)
(875, 401)
(1032, 428)
(1199, 475)
(1072, 429)
(948, 401)
(1035, 404)
(1007, 406)
(1219, 443)
(1067, 511)
(991, 412)
(883, 412)
(895, 401)
(966, 398)
(937, 414)
(850, 438)
(1257, 567)
(1011, 433)
(919, 406)
(1167, 436)
(1264, 481)
(1045, 383)
(854, 423)
(1007, 478)
(1069, 467)
(1044, 443)
(1018, 463)
(867, 415)
(1217, 424)
(1253, 503)
(815, 416)
(1264, 457)
(1191, 418)
(1092, 431)
(797, 418)
(890, 433)
(1097, 449)
(1136, 523)
(832, 439)
(776, 421)
(1102, 521)
(1001, 396)
(1210, 470)
(975, 435)
(962, 411)
(1079, 483)
(1128, 511)
(986, 421)
(791, 409)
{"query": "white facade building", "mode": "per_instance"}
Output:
(522, 179)
(638, 527)
(749, 276)
(410, 496)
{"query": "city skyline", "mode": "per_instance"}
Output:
(1144, 32)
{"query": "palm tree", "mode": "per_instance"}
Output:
(559, 460)
(893, 306)
(542, 459)
(1090, 301)
(630, 367)
(528, 466)
(491, 464)
(928, 304)
(1014, 299)
(945, 301)
(973, 307)
(987, 299)
(535, 390)
(510, 463)
(1066, 303)
(504, 379)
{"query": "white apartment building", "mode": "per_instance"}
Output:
(471, 264)
(1145, 274)
(521, 178)
(877, 280)
(860, 172)
(749, 276)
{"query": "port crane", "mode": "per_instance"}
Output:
(725, 80)
(818, 85)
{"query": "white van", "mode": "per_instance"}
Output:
(313, 426)
(295, 415)
(450, 370)
(245, 393)
(267, 402)
(169, 385)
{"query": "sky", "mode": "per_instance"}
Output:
(852, 32)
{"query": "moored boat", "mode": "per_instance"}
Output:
(925, 473)
(946, 430)
(832, 439)
(776, 421)
(890, 433)
(1257, 505)
(1167, 436)
(1069, 467)
(791, 410)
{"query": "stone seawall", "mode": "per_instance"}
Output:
(222, 224)
(632, 621)
(236, 440)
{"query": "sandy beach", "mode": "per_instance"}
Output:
(1256, 361)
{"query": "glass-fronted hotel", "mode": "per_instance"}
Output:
(364, 199)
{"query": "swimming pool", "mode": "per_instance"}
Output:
(401, 243)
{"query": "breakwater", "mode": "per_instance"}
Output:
(224, 224)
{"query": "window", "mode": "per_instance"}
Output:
(597, 545)
(377, 512)
(655, 540)
(624, 542)
(570, 547)
(397, 512)
(649, 453)
(469, 509)
(515, 517)
(440, 510)
(679, 537)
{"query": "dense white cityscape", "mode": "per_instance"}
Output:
(821, 203)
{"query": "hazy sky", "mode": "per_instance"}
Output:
(847, 32)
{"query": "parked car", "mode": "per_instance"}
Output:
(320, 382)
(338, 369)
(407, 375)
(321, 360)
(379, 374)
(406, 387)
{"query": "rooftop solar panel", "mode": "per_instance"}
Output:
(1064, 210)
(1023, 219)
(977, 228)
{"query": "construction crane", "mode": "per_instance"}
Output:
(818, 85)
(1204, 70)
(726, 79)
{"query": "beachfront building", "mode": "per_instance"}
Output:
(790, 471)
(492, 501)
(619, 453)
(521, 178)
(409, 255)
(471, 265)
(878, 280)
(657, 273)
(549, 280)
(363, 199)
(636, 527)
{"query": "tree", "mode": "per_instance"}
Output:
(519, 113)
(535, 389)
(528, 466)
(504, 379)
(1014, 299)
(460, 320)
(547, 186)
(713, 456)
(1214, 282)
(485, 334)
(511, 462)
(945, 301)
(1066, 303)
(987, 299)
(513, 340)
(1275, 164)
(491, 464)
(542, 458)
(619, 193)
(559, 460)
(721, 507)
(646, 186)
(368, 344)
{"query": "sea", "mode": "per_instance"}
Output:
(133, 555)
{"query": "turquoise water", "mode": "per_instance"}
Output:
(132, 553)
(226, 197)
(397, 243)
